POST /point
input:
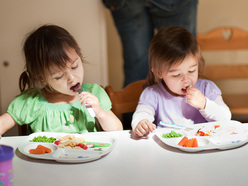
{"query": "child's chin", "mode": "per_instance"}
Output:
(179, 93)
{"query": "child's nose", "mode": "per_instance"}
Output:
(70, 77)
(185, 78)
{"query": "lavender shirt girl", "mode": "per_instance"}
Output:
(157, 101)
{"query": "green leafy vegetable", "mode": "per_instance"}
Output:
(43, 139)
(172, 134)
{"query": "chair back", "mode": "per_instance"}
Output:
(126, 99)
(227, 39)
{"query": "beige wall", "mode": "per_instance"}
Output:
(211, 14)
(83, 19)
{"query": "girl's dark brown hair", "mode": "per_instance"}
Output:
(48, 45)
(169, 46)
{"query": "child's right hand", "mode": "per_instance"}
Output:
(144, 128)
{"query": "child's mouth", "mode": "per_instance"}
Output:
(184, 90)
(75, 87)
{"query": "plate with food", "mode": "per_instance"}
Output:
(66, 148)
(205, 136)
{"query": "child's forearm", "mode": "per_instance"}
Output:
(109, 121)
(216, 110)
(142, 112)
(6, 123)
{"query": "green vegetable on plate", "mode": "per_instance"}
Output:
(172, 134)
(43, 139)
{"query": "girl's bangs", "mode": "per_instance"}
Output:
(57, 58)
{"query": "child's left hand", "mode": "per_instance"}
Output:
(195, 98)
(92, 100)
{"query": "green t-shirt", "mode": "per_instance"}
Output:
(33, 109)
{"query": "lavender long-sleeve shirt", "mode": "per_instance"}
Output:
(157, 104)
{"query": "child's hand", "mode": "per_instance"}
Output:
(107, 119)
(144, 128)
(195, 98)
(87, 98)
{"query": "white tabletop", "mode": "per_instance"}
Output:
(136, 161)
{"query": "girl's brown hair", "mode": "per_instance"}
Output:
(48, 45)
(169, 46)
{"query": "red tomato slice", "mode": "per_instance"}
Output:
(57, 142)
(83, 146)
(200, 133)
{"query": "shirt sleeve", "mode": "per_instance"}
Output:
(142, 112)
(101, 94)
(210, 90)
(149, 97)
(25, 108)
(216, 110)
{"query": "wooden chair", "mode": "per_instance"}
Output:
(24, 130)
(228, 39)
(126, 99)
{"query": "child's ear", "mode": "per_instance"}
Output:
(159, 75)
(156, 73)
(43, 82)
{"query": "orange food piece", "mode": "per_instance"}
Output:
(216, 126)
(37, 151)
(183, 141)
(189, 143)
(47, 150)
(195, 143)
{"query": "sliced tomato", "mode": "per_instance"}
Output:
(200, 133)
(57, 142)
(83, 146)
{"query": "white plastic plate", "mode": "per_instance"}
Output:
(68, 155)
(230, 134)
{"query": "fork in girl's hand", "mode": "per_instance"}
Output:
(88, 107)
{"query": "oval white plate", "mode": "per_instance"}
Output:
(68, 155)
(232, 134)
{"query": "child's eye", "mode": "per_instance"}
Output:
(74, 67)
(59, 77)
(177, 75)
(191, 71)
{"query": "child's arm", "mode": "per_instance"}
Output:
(142, 120)
(210, 110)
(107, 119)
(144, 127)
(216, 110)
(6, 123)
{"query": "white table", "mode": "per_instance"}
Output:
(138, 162)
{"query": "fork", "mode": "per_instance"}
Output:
(88, 107)
(173, 125)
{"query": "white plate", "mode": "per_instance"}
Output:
(232, 134)
(68, 155)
